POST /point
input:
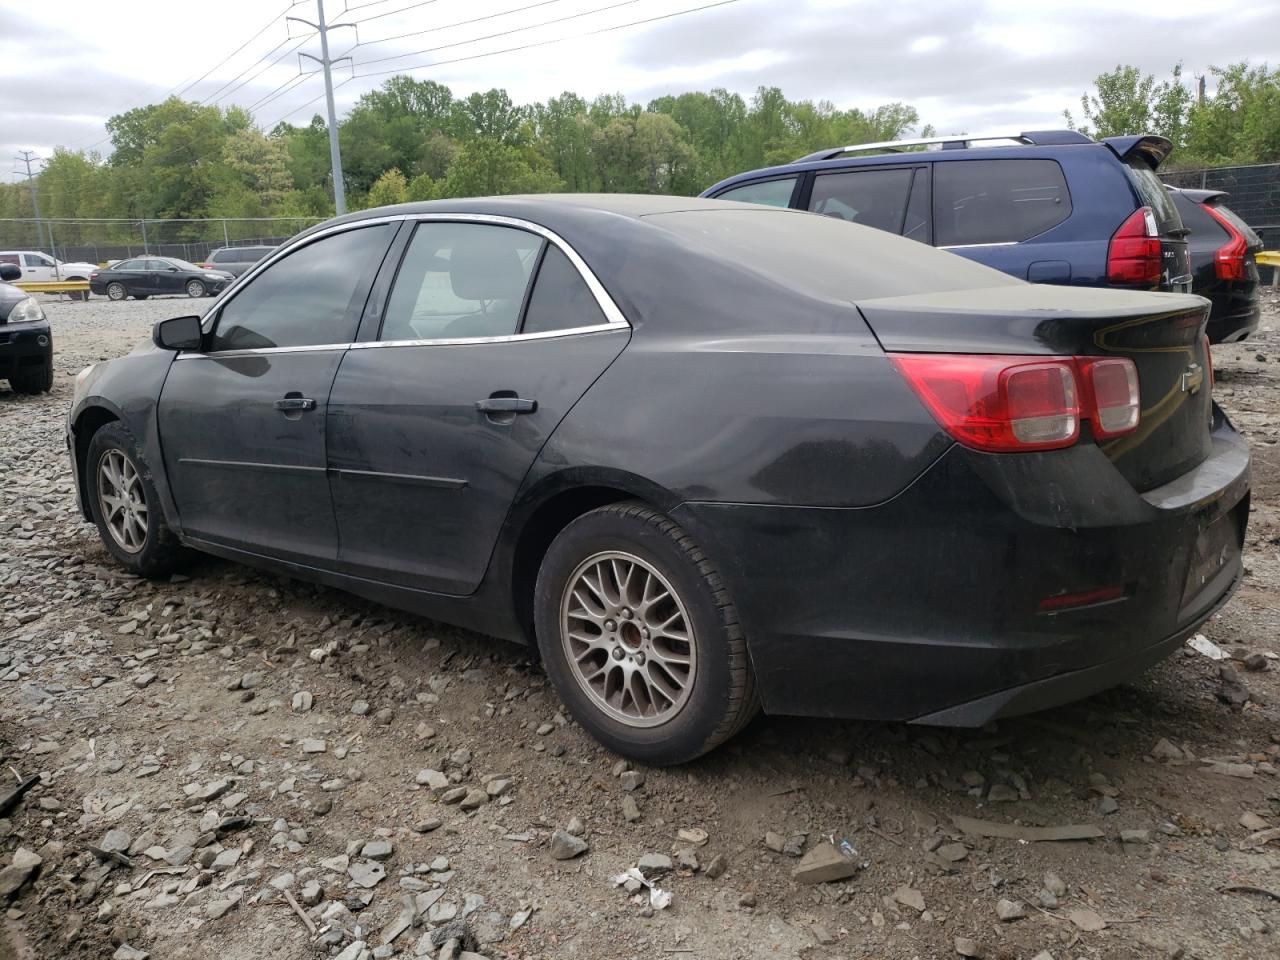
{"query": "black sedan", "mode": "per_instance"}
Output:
(1223, 268)
(698, 454)
(149, 276)
(26, 343)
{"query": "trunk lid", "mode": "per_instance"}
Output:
(1163, 334)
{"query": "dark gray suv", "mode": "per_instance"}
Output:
(235, 260)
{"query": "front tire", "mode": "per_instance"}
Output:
(34, 379)
(125, 505)
(195, 289)
(640, 638)
(116, 291)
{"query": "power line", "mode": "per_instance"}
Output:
(219, 95)
(379, 16)
(270, 23)
(321, 96)
(460, 23)
(545, 43)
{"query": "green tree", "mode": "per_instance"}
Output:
(485, 167)
(389, 188)
(1127, 101)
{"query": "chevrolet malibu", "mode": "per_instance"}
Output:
(696, 453)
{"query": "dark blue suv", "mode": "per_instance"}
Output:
(1049, 206)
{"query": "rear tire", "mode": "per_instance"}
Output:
(655, 664)
(34, 379)
(116, 291)
(125, 505)
(78, 294)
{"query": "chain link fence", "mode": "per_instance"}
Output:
(1254, 189)
(102, 240)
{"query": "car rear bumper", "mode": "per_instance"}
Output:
(23, 344)
(928, 607)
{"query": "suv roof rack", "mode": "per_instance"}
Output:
(1033, 138)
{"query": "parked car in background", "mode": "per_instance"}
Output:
(42, 268)
(1049, 206)
(1223, 248)
(148, 276)
(26, 343)
(235, 260)
(706, 455)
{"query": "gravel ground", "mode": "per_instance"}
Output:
(220, 747)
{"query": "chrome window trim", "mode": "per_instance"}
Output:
(614, 317)
(263, 351)
(967, 246)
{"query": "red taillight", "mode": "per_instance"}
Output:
(1084, 598)
(1005, 404)
(93, 276)
(1134, 255)
(1229, 260)
(1113, 399)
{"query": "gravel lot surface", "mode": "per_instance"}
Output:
(238, 766)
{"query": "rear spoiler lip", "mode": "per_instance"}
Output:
(1149, 147)
(1197, 195)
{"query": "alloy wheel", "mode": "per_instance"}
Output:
(628, 639)
(195, 289)
(122, 501)
(116, 291)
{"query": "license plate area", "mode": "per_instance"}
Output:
(1217, 548)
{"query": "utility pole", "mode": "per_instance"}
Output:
(26, 156)
(335, 155)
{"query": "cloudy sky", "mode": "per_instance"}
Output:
(966, 65)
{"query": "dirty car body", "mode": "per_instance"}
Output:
(730, 369)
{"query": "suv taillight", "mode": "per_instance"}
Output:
(1010, 404)
(1229, 259)
(1134, 255)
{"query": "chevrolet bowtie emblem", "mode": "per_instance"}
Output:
(1193, 378)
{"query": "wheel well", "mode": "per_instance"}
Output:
(87, 424)
(536, 536)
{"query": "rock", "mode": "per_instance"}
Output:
(313, 746)
(1010, 910)
(360, 708)
(969, 948)
(126, 952)
(630, 809)
(576, 827)
(1255, 663)
(427, 825)
(1135, 836)
(366, 873)
(1251, 821)
(352, 952)
(716, 868)
(384, 717)
(497, 787)
(794, 845)
(211, 791)
(20, 870)
(226, 859)
(311, 893)
(1107, 805)
(1002, 793)
(823, 864)
(654, 865)
(1233, 691)
(433, 779)
(302, 701)
(217, 909)
(952, 852)
(631, 780)
(1164, 750)
(115, 841)
(774, 841)
(910, 897)
(474, 799)
(377, 850)
(748, 899)
(565, 846)
(544, 729)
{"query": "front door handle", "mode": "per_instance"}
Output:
(289, 404)
(507, 405)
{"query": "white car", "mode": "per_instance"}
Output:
(40, 267)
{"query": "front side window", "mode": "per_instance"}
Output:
(308, 297)
(460, 280)
(873, 198)
(37, 260)
(997, 201)
(771, 193)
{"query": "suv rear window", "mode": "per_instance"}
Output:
(997, 201)
(1153, 194)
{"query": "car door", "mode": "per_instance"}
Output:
(491, 333)
(37, 267)
(168, 277)
(242, 422)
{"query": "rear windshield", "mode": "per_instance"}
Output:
(1155, 196)
(1250, 237)
(825, 256)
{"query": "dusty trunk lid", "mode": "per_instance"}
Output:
(1162, 333)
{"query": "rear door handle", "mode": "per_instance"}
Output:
(506, 405)
(295, 403)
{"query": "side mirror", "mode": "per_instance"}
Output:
(173, 269)
(178, 333)
(10, 271)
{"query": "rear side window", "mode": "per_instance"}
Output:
(220, 256)
(771, 193)
(459, 281)
(997, 201)
(561, 299)
(873, 198)
(1153, 194)
(306, 298)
